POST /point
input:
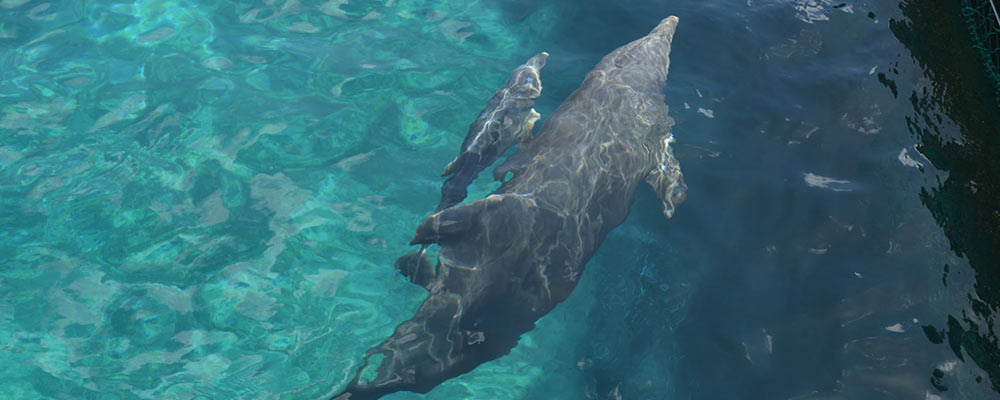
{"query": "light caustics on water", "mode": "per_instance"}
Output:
(205, 199)
(190, 206)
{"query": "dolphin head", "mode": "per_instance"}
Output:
(525, 82)
(642, 64)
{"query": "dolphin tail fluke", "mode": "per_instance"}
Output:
(354, 392)
(666, 177)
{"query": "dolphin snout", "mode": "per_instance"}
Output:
(538, 61)
(528, 81)
(667, 26)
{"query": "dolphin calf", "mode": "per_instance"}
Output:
(508, 116)
(506, 260)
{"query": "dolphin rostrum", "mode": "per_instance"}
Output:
(506, 260)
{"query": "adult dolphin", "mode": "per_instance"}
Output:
(506, 260)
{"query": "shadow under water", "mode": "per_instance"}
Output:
(957, 122)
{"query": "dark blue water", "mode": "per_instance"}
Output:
(203, 199)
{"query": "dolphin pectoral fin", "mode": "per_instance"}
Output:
(447, 168)
(416, 266)
(449, 224)
(666, 177)
(524, 134)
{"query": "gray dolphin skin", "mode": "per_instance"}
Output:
(508, 116)
(506, 260)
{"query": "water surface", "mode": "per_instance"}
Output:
(203, 199)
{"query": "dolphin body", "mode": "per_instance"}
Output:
(506, 260)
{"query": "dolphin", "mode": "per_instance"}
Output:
(508, 259)
(508, 116)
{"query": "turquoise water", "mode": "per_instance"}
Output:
(204, 199)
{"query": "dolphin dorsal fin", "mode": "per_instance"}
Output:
(449, 224)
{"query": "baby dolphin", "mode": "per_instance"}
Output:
(508, 116)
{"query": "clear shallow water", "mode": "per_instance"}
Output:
(204, 199)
